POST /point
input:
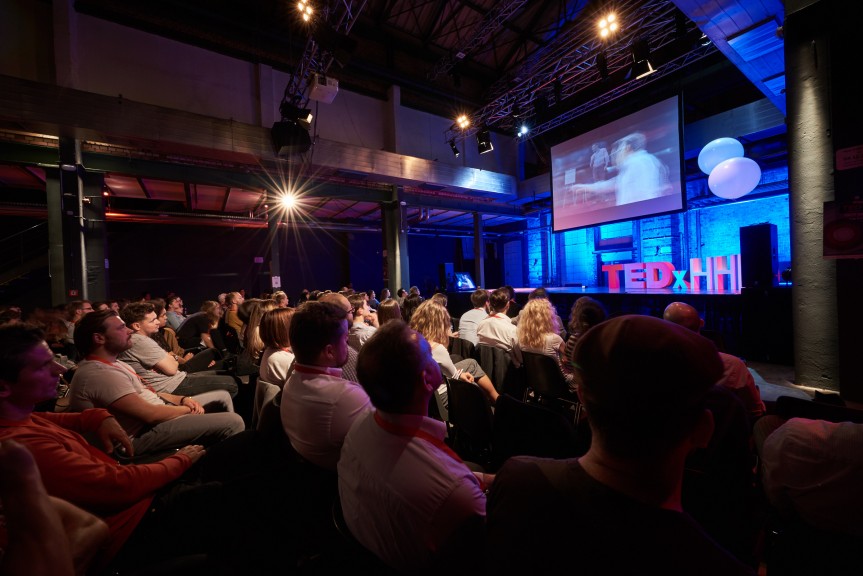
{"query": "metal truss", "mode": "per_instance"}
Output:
(490, 24)
(568, 66)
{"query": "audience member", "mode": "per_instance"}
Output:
(374, 303)
(155, 421)
(513, 309)
(150, 516)
(176, 312)
(157, 368)
(349, 369)
(469, 320)
(201, 328)
(811, 470)
(617, 509)
(277, 359)
(497, 328)
(539, 331)
(411, 302)
(433, 321)
(232, 318)
(75, 310)
(365, 321)
(385, 294)
(166, 338)
(318, 405)
(736, 376)
(542, 293)
(281, 299)
(41, 535)
(389, 310)
(250, 313)
(405, 495)
(586, 313)
(401, 294)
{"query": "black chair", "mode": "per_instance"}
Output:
(470, 421)
(546, 385)
(463, 348)
(521, 428)
(500, 367)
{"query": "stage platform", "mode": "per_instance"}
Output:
(754, 323)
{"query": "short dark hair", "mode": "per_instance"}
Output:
(313, 326)
(356, 301)
(479, 298)
(94, 323)
(135, 312)
(538, 293)
(498, 299)
(388, 366)
(16, 340)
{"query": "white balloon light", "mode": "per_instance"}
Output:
(734, 178)
(718, 151)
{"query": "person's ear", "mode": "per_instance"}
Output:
(99, 338)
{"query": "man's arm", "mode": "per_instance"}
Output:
(168, 365)
(136, 407)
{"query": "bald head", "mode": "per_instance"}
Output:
(684, 315)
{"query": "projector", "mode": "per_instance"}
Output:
(323, 89)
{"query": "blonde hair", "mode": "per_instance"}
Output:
(432, 321)
(537, 319)
(252, 339)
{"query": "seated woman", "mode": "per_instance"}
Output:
(389, 310)
(277, 357)
(250, 312)
(538, 331)
(433, 321)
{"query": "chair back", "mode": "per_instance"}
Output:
(499, 366)
(533, 430)
(265, 392)
(470, 419)
(793, 407)
(547, 385)
(463, 348)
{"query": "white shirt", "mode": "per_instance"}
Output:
(498, 330)
(274, 366)
(403, 496)
(468, 322)
(318, 408)
(737, 377)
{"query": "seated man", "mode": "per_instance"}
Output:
(497, 329)
(155, 421)
(468, 322)
(617, 509)
(811, 469)
(405, 495)
(174, 308)
(159, 369)
(150, 516)
(349, 369)
(735, 376)
(365, 321)
(318, 405)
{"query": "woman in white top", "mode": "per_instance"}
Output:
(434, 322)
(277, 358)
(539, 331)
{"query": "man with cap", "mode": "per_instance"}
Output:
(617, 509)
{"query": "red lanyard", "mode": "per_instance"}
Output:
(400, 430)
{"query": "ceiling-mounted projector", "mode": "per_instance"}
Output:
(323, 89)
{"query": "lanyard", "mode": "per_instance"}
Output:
(400, 430)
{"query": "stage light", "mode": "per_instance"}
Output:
(641, 66)
(287, 201)
(608, 26)
(523, 130)
(454, 148)
(305, 10)
(463, 121)
(483, 141)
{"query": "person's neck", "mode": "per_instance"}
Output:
(653, 481)
(101, 354)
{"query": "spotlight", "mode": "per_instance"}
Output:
(305, 10)
(287, 201)
(483, 141)
(641, 66)
(523, 130)
(454, 148)
(602, 65)
(463, 121)
(608, 26)
(292, 113)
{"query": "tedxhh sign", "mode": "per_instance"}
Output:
(714, 273)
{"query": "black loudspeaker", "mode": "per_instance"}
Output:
(446, 276)
(759, 259)
(290, 138)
